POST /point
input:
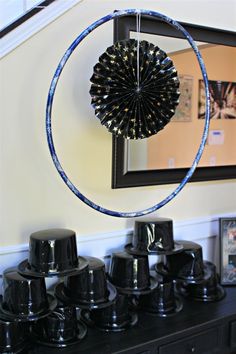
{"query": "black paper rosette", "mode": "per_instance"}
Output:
(124, 109)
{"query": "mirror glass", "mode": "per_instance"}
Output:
(177, 144)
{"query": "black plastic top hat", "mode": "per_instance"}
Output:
(25, 299)
(13, 336)
(153, 237)
(208, 289)
(187, 265)
(115, 318)
(130, 274)
(89, 289)
(162, 301)
(52, 252)
(60, 329)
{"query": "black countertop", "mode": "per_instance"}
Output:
(155, 331)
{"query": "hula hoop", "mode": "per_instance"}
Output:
(52, 90)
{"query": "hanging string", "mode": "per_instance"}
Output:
(138, 24)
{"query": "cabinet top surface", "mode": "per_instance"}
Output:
(195, 316)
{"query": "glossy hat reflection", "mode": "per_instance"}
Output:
(153, 237)
(24, 298)
(52, 252)
(186, 265)
(89, 289)
(13, 336)
(208, 290)
(115, 318)
(60, 329)
(162, 301)
(130, 274)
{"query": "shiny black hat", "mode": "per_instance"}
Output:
(60, 329)
(115, 318)
(162, 301)
(25, 298)
(130, 274)
(52, 252)
(90, 289)
(206, 290)
(13, 336)
(186, 265)
(153, 237)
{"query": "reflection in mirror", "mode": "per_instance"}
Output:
(177, 144)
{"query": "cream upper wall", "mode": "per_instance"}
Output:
(33, 196)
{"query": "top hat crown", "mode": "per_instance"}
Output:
(52, 252)
(153, 237)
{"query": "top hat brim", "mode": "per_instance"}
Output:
(217, 296)
(52, 304)
(135, 251)
(139, 291)
(20, 348)
(24, 269)
(209, 272)
(13, 349)
(81, 333)
(66, 297)
(86, 317)
(167, 312)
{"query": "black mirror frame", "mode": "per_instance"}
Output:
(121, 177)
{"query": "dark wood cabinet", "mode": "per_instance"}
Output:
(203, 342)
(200, 328)
(232, 334)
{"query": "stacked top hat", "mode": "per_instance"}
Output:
(52, 252)
(195, 278)
(155, 237)
(13, 336)
(60, 329)
(92, 291)
(25, 298)
(129, 275)
(89, 289)
(103, 299)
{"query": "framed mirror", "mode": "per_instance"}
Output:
(166, 157)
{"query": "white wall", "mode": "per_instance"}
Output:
(32, 194)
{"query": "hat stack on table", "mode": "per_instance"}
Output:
(155, 237)
(182, 272)
(93, 293)
(195, 278)
(25, 303)
(88, 296)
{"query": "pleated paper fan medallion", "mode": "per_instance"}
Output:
(130, 104)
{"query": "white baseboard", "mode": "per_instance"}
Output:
(204, 231)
